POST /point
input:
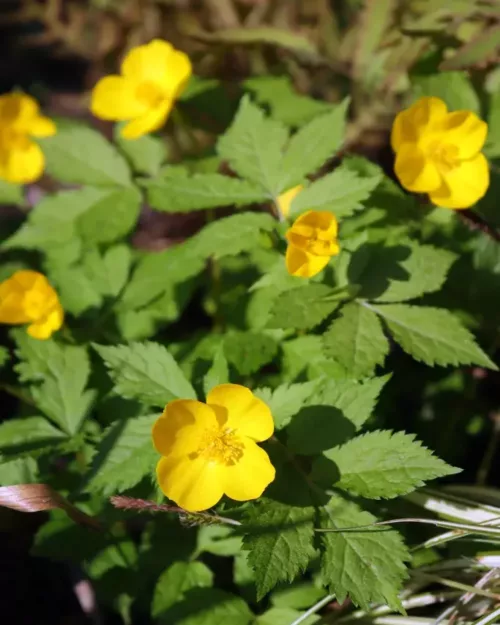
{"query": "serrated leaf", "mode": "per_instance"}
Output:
(432, 335)
(182, 193)
(207, 606)
(124, 456)
(367, 566)
(146, 372)
(253, 147)
(313, 144)
(18, 471)
(286, 400)
(249, 351)
(342, 192)
(176, 581)
(75, 289)
(454, 88)
(383, 464)
(80, 155)
(303, 308)
(28, 433)
(59, 375)
(481, 48)
(218, 372)
(108, 272)
(11, 193)
(4, 356)
(221, 540)
(356, 340)
(281, 545)
(145, 154)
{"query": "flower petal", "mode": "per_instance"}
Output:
(464, 185)
(416, 172)
(466, 131)
(285, 199)
(160, 63)
(42, 126)
(149, 122)
(324, 220)
(250, 476)
(44, 328)
(194, 485)
(301, 263)
(17, 110)
(115, 98)
(21, 163)
(246, 413)
(181, 427)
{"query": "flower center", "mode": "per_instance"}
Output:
(444, 155)
(149, 93)
(221, 446)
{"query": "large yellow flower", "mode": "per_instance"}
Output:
(312, 241)
(152, 78)
(27, 297)
(21, 159)
(210, 449)
(439, 153)
(285, 199)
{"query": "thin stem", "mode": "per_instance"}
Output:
(489, 453)
(451, 583)
(315, 608)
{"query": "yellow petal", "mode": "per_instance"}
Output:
(324, 220)
(402, 131)
(181, 427)
(250, 476)
(416, 172)
(42, 126)
(285, 199)
(466, 131)
(244, 412)
(12, 295)
(302, 264)
(194, 485)
(115, 98)
(464, 185)
(149, 122)
(44, 328)
(18, 110)
(22, 163)
(160, 63)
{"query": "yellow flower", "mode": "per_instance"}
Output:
(285, 199)
(210, 449)
(27, 297)
(439, 153)
(21, 159)
(312, 241)
(152, 78)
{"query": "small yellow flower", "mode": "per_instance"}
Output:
(285, 199)
(209, 450)
(27, 297)
(21, 159)
(152, 78)
(312, 241)
(439, 153)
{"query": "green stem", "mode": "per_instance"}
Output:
(315, 608)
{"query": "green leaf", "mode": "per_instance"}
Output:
(367, 565)
(281, 544)
(287, 106)
(342, 192)
(454, 88)
(124, 456)
(432, 335)
(249, 351)
(145, 154)
(383, 464)
(4, 356)
(218, 372)
(298, 596)
(492, 147)
(253, 147)
(112, 216)
(356, 341)
(18, 471)
(80, 155)
(11, 193)
(481, 48)
(176, 581)
(146, 372)
(28, 433)
(314, 144)
(286, 400)
(76, 290)
(182, 193)
(220, 540)
(207, 606)
(303, 308)
(399, 272)
(59, 374)
(284, 616)
(108, 272)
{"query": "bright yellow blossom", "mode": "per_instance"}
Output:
(439, 153)
(209, 450)
(312, 241)
(285, 199)
(27, 297)
(21, 159)
(152, 78)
